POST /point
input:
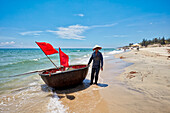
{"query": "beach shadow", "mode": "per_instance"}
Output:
(73, 89)
(102, 85)
(46, 88)
(66, 93)
(70, 97)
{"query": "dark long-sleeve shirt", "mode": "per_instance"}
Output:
(97, 59)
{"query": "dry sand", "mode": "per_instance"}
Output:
(149, 75)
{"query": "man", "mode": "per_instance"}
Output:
(97, 58)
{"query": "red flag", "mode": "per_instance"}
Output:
(63, 58)
(47, 48)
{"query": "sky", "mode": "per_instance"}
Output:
(82, 23)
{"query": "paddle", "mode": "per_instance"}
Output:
(28, 73)
(25, 73)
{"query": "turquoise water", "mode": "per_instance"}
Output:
(18, 61)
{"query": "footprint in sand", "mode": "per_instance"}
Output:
(168, 85)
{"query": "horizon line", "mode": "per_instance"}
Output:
(54, 47)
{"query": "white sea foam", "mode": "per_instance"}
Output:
(105, 56)
(21, 62)
(56, 106)
(36, 59)
(81, 61)
(88, 55)
(33, 83)
(115, 52)
(21, 96)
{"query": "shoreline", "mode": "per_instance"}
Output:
(130, 83)
(130, 89)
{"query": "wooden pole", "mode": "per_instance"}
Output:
(51, 61)
(26, 73)
(59, 56)
(30, 72)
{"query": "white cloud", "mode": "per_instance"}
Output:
(7, 43)
(70, 32)
(75, 31)
(31, 33)
(106, 25)
(81, 15)
(119, 36)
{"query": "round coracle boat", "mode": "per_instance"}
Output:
(64, 77)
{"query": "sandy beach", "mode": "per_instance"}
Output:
(150, 76)
(141, 87)
(132, 82)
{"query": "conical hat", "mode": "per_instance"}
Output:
(97, 46)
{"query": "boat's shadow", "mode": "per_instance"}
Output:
(73, 89)
(67, 93)
(62, 93)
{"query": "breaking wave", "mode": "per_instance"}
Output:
(56, 106)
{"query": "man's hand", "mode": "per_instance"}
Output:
(102, 68)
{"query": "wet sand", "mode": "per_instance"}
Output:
(138, 83)
(102, 98)
(143, 86)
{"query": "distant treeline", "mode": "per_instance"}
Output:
(159, 40)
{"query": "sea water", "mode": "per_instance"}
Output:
(16, 91)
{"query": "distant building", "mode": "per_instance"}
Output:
(136, 45)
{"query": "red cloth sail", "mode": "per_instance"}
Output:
(63, 58)
(47, 48)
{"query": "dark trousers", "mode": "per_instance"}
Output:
(95, 72)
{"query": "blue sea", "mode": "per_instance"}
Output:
(18, 61)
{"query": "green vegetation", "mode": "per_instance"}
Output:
(159, 40)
